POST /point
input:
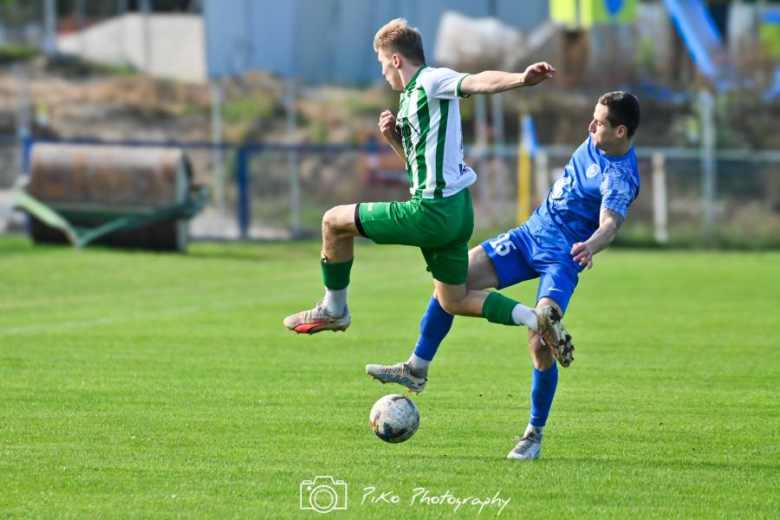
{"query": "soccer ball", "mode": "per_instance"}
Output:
(394, 418)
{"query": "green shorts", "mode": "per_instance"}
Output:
(441, 228)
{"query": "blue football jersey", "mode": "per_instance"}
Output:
(591, 181)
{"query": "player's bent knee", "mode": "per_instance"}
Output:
(450, 306)
(331, 218)
(328, 219)
(337, 220)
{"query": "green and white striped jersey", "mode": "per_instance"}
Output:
(429, 123)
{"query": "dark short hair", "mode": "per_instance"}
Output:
(623, 110)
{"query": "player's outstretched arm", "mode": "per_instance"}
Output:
(390, 133)
(494, 81)
(609, 225)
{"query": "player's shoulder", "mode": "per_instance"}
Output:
(437, 71)
(433, 74)
(624, 166)
(621, 176)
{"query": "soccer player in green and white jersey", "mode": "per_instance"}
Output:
(439, 217)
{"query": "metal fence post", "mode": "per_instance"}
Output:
(292, 160)
(541, 176)
(217, 98)
(27, 144)
(708, 164)
(243, 185)
(660, 202)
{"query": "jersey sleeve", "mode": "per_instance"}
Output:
(618, 190)
(444, 83)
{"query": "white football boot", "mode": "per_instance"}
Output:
(399, 373)
(529, 447)
(316, 320)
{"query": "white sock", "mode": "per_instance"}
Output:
(418, 365)
(336, 302)
(523, 315)
(534, 431)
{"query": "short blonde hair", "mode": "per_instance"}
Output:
(397, 37)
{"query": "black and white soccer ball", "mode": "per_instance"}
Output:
(394, 418)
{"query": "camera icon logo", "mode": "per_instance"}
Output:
(323, 494)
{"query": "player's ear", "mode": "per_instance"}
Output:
(397, 61)
(622, 131)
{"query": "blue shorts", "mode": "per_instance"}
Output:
(517, 256)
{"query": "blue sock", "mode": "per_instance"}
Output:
(542, 393)
(435, 325)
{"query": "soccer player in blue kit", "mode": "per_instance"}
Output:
(580, 217)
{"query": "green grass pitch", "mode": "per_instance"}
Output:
(135, 385)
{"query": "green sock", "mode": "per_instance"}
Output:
(336, 276)
(498, 309)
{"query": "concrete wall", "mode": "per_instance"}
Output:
(176, 44)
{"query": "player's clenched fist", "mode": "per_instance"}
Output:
(387, 125)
